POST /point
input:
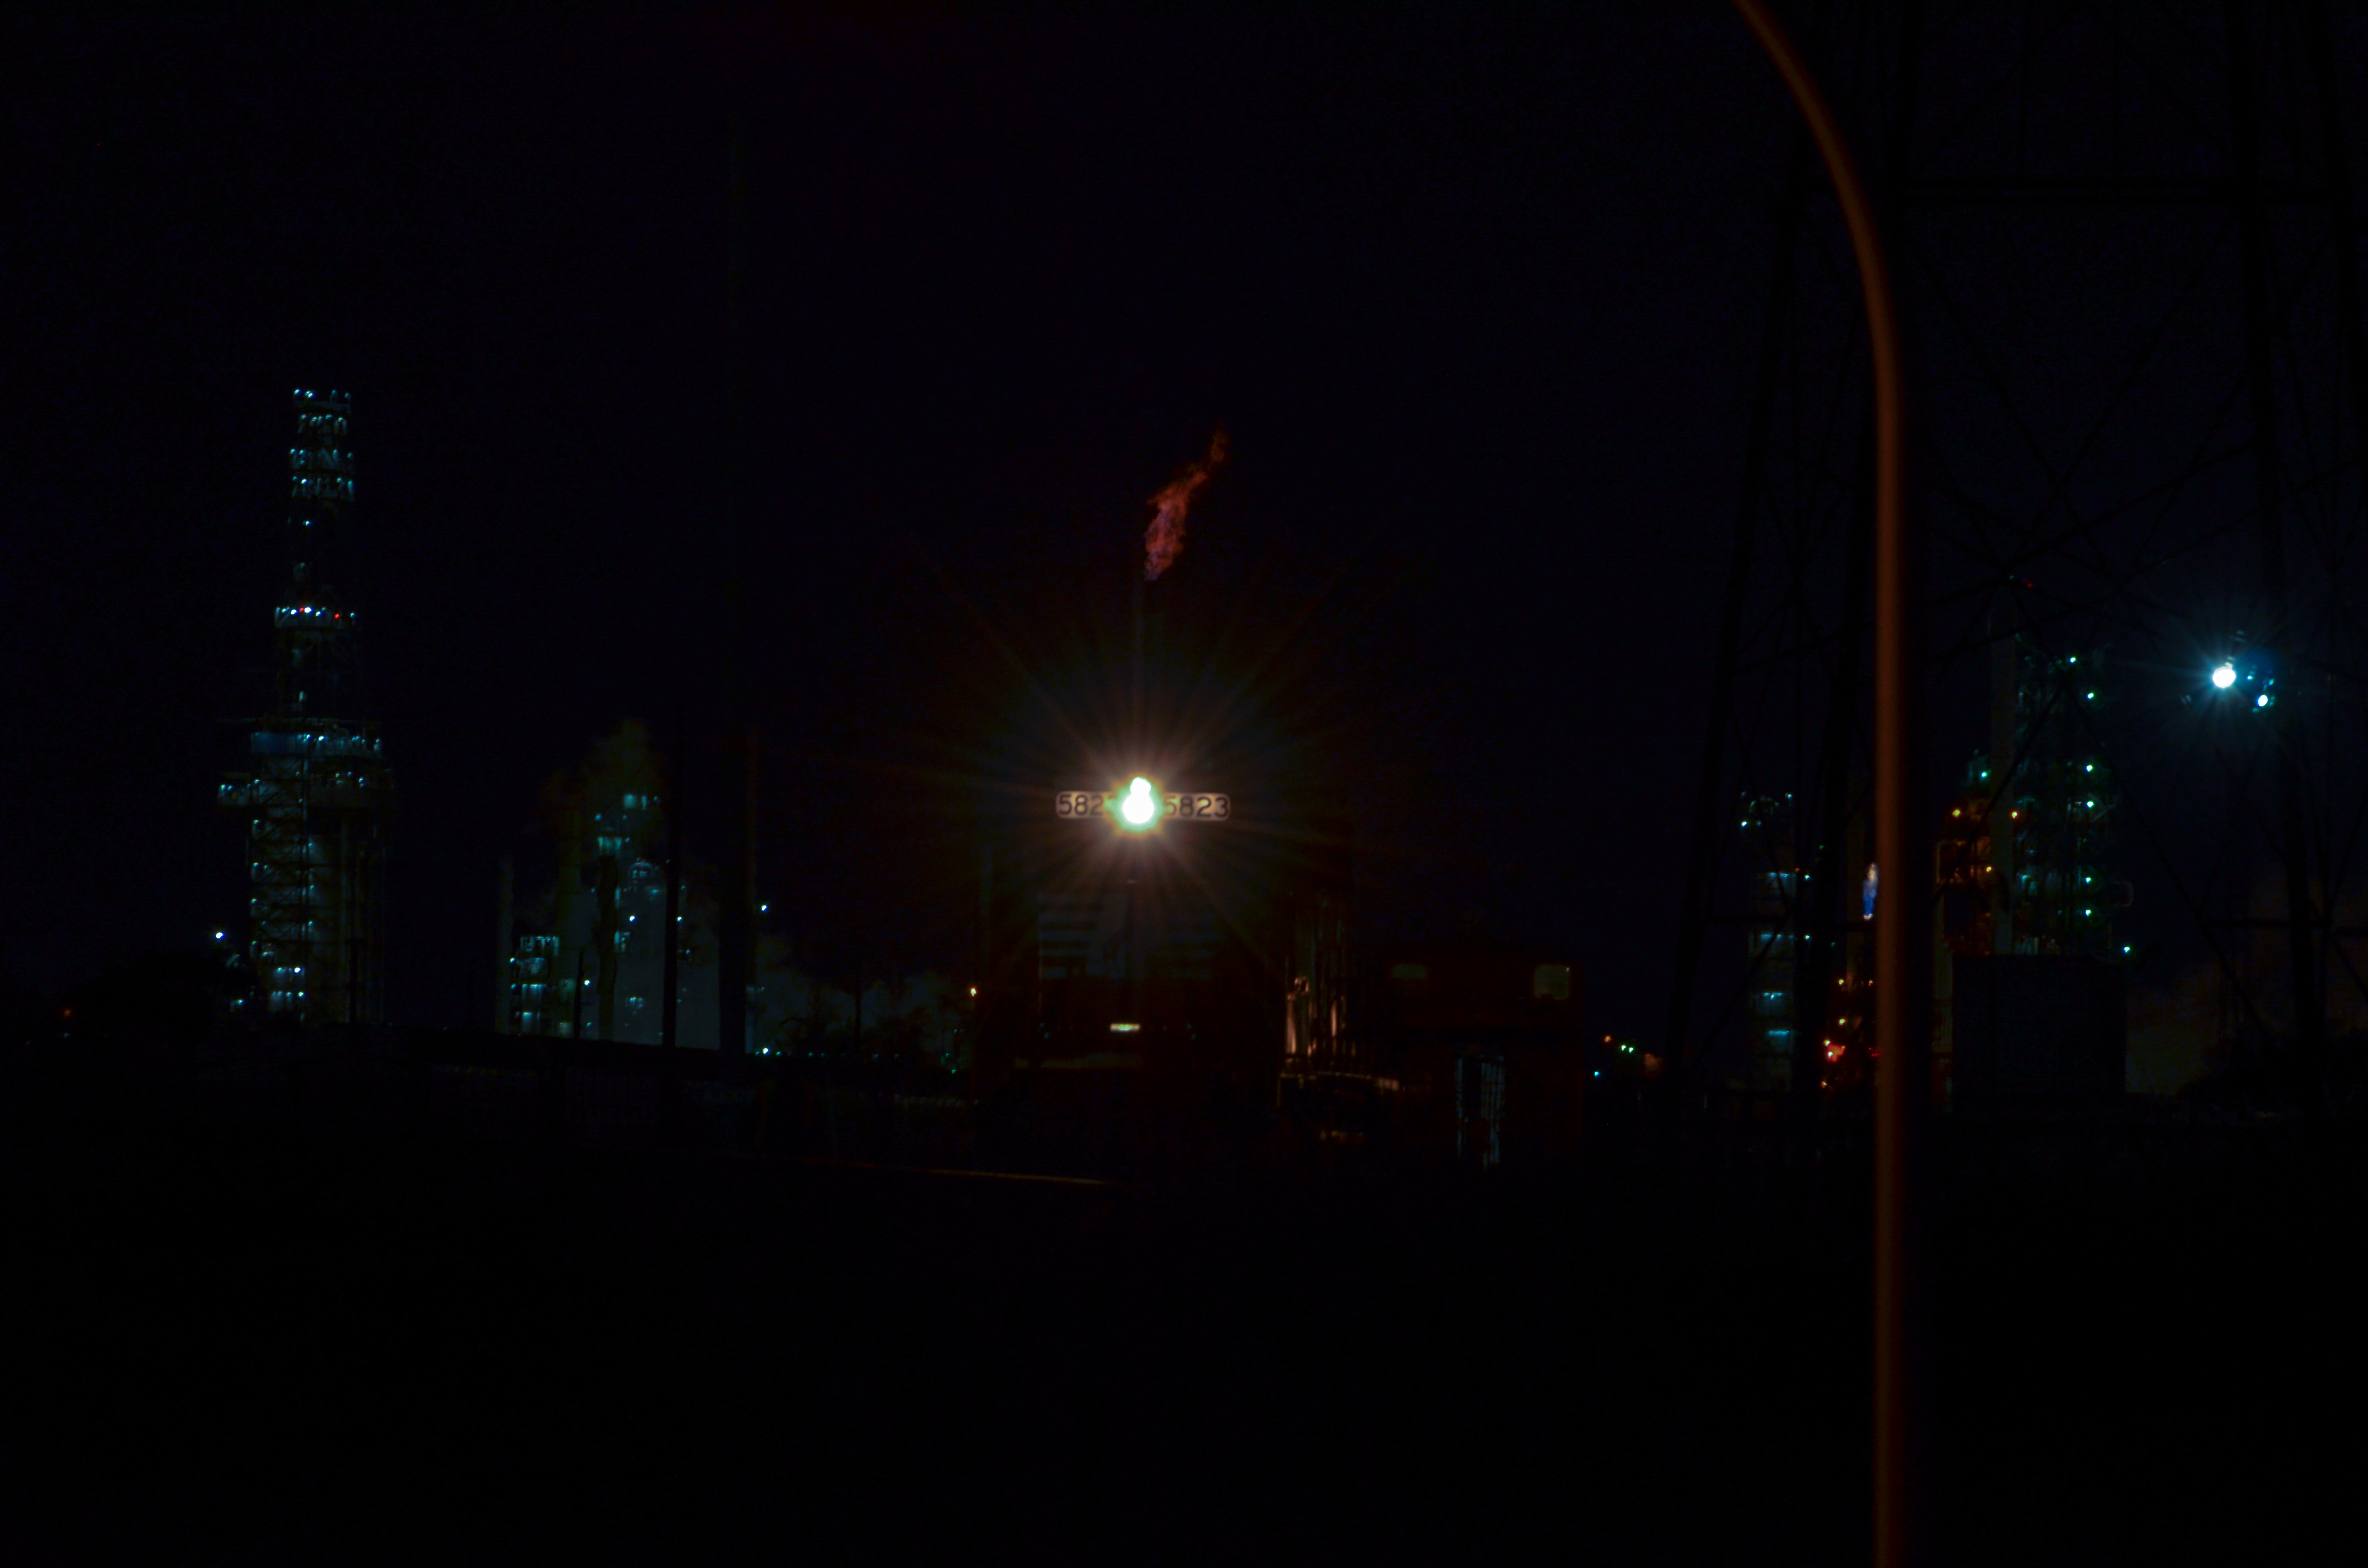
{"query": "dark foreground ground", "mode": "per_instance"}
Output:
(242, 1347)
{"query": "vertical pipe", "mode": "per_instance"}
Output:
(1135, 687)
(1903, 1453)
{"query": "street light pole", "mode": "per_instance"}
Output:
(1903, 1450)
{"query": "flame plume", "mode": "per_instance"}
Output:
(1163, 541)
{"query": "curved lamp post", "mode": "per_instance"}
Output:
(1902, 1452)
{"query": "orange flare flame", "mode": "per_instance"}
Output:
(1163, 541)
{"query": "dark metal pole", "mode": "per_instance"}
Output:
(1903, 1453)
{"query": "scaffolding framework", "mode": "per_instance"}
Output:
(2105, 461)
(599, 974)
(318, 796)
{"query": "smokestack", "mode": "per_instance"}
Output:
(1135, 684)
(1163, 541)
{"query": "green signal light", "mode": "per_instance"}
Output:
(1141, 807)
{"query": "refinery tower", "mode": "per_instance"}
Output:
(316, 795)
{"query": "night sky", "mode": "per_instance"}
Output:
(1476, 299)
(1477, 302)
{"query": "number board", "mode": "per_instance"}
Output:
(1179, 805)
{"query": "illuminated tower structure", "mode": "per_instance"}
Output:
(318, 796)
(1774, 895)
(2060, 823)
(599, 974)
(2029, 987)
(2180, 475)
(2028, 840)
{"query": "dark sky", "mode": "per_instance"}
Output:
(1475, 299)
